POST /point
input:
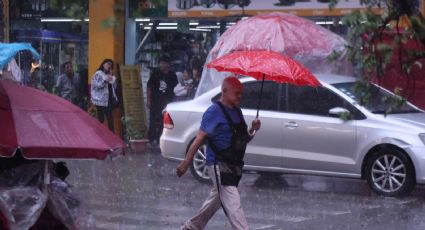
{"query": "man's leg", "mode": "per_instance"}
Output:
(156, 123)
(232, 203)
(207, 210)
(159, 125)
(151, 131)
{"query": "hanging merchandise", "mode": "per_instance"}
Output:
(207, 3)
(226, 4)
(243, 3)
(285, 3)
(185, 4)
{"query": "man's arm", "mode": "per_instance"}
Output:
(184, 165)
(255, 126)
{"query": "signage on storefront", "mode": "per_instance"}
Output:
(28, 9)
(223, 8)
(132, 93)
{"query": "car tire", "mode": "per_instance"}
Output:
(198, 166)
(390, 172)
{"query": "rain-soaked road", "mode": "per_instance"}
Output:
(142, 192)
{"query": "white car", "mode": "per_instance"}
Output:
(319, 131)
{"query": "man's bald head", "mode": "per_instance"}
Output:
(231, 91)
(230, 82)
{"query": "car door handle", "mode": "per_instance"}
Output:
(291, 125)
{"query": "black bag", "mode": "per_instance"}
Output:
(114, 102)
(230, 174)
(112, 98)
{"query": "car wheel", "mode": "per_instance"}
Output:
(390, 172)
(199, 167)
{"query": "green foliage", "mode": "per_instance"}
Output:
(91, 108)
(394, 102)
(79, 9)
(160, 10)
(71, 8)
(346, 116)
(372, 54)
(110, 22)
(131, 132)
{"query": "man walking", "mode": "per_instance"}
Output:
(68, 84)
(159, 93)
(226, 131)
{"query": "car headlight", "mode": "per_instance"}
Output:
(422, 137)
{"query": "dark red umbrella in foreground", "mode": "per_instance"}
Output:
(45, 126)
(265, 65)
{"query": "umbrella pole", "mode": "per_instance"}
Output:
(46, 176)
(261, 94)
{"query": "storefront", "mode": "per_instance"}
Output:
(188, 29)
(185, 30)
(54, 35)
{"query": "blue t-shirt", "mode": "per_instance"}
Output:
(214, 123)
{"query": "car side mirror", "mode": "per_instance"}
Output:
(340, 112)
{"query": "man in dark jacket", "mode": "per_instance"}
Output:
(68, 84)
(159, 93)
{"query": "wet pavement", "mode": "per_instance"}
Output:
(141, 191)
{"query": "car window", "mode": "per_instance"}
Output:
(316, 101)
(283, 105)
(376, 102)
(269, 99)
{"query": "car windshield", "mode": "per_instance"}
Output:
(376, 103)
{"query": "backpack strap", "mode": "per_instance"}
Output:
(226, 114)
(229, 120)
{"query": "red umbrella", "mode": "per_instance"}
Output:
(44, 126)
(265, 65)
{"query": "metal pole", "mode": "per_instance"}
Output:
(46, 176)
(261, 94)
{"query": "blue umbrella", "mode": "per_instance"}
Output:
(48, 36)
(9, 50)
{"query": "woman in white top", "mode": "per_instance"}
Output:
(103, 86)
(182, 90)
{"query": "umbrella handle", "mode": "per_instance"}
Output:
(261, 94)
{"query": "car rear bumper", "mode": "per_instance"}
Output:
(172, 149)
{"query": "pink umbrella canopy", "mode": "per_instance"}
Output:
(287, 34)
(293, 36)
(45, 126)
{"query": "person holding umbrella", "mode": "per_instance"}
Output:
(226, 131)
